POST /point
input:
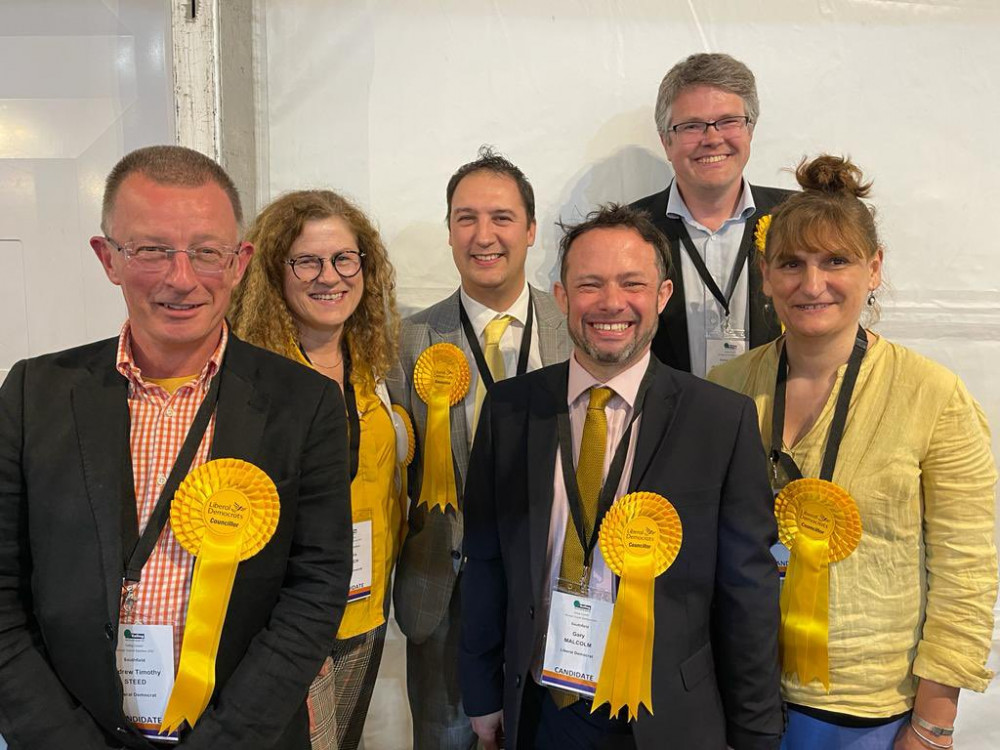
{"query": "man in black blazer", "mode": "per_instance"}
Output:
(706, 111)
(68, 498)
(714, 661)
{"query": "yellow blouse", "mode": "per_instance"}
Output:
(916, 597)
(378, 495)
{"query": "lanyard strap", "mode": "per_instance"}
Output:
(706, 277)
(610, 486)
(839, 413)
(477, 351)
(353, 418)
(141, 547)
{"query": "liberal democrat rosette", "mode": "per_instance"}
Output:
(820, 524)
(224, 512)
(640, 538)
(441, 378)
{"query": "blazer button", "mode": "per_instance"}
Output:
(109, 631)
(456, 554)
(531, 611)
(517, 681)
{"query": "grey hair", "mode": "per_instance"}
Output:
(706, 69)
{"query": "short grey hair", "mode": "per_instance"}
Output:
(713, 69)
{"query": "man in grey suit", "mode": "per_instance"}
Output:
(491, 225)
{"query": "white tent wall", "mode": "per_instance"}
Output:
(384, 100)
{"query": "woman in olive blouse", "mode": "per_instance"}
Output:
(909, 611)
(320, 290)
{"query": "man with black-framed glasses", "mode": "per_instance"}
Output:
(706, 112)
(149, 593)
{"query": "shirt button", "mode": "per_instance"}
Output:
(161, 479)
(170, 411)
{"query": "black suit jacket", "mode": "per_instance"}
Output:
(715, 654)
(671, 342)
(64, 445)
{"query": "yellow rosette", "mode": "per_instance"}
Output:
(640, 538)
(441, 379)
(819, 522)
(760, 233)
(401, 420)
(224, 512)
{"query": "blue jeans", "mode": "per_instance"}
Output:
(806, 733)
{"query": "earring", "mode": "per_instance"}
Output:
(871, 298)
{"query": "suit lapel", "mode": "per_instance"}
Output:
(446, 327)
(242, 411)
(541, 453)
(100, 410)
(764, 324)
(658, 411)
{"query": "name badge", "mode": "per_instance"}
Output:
(361, 575)
(722, 348)
(145, 658)
(780, 553)
(575, 640)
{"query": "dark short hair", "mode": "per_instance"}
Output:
(492, 161)
(610, 216)
(168, 165)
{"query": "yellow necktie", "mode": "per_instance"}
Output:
(494, 359)
(589, 473)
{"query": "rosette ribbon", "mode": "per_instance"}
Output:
(819, 522)
(640, 537)
(441, 379)
(224, 512)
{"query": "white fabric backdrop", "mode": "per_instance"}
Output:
(384, 100)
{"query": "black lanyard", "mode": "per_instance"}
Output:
(477, 351)
(706, 277)
(138, 548)
(353, 419)
(610, 486)
(839, 413)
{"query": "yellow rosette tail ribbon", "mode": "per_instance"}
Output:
(224, 512)
(820, 524)
(640, 538)
(441, 378)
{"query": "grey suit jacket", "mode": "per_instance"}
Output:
(431, 557)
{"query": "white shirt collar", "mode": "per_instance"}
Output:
(677, 208)
(479, 314)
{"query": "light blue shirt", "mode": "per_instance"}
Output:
(704, 314)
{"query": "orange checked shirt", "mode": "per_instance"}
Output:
(159, 423)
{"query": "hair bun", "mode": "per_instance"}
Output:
(832, 174)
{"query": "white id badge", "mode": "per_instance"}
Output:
(575, 640)
(722, 348)
(781, 554)
(361, 575)
(145, 658)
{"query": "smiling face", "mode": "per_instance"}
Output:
(175, 315)
(489, 234)
(612, 297)
(321, 307)
(712, 165)
(819, 294)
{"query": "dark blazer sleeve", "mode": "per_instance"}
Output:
(36, 711)
(484, 581)
(745, 615)
(270, 683)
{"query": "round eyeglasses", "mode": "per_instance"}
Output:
(206, 260)
(695, 129)
(346, 263)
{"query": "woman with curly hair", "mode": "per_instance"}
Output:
(881, 460)
(320, 290)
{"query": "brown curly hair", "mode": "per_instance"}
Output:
(259, 313)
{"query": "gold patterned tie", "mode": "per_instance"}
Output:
(589, 473)
(494, 359)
